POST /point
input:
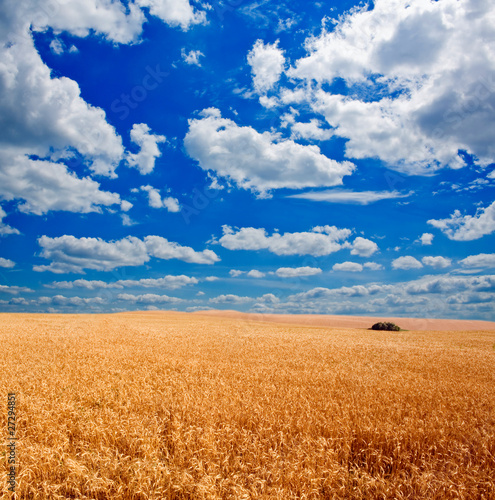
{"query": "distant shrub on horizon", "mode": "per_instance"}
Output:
(386, 325)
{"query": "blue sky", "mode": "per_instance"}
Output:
(273, 157)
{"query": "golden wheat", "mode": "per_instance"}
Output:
(178, 406)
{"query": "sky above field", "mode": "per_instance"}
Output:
(264, 156)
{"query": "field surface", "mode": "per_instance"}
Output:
(204, 406)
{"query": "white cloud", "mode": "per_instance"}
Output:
(449, 284)
(268, 298)
(296, 272)
(171, 204)
(433, 296)
(144, 160)
(430, 101)
(81, 283)
(347, 196)
(125, 205)
(267, 64)
(156, 201)
(254, 273)
(14, 289)
(230, 299)
(320, 241)
(311, 130)
(71, 254)
(259, 162)
(467, 227)
(192, 58)
(45, 117)
(6, 263)
(163, 249)
(127, 221)
(174, 12)
(348, 267)
(436, 262)
(426, 238)
(211, 278)
(148, 298)
(56, 46)
(363, 247)
(406, 262)
(79, 17)
(481, 260)
(5, 228)
(169, 282)
(45, 186)
(373, 266)
(59, 300)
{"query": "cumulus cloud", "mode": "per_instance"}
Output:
(5, 228)
(467, 227)
(45, 116)
(230, 299)
(178, 13)
(436, 262)
(156, 201)
(144, 159)
(363, 247)
(56, 46)
(44, 186)
(373, 266)
(191, 57)
(148, 298)
(426, 238)
(312, 130)
(14, 289)
(449, 284)
(347, 196)
(267, 64)
(317, 242)
(257, 161)
(58, 300)
(406, 262)
(163, 249)
(254, 273)
(169, 282)
(482, 260)
(6, 263)
(353, 267)
(435, 296)
(44, 119)
(70, 254)
(430, 102)
(296, 272)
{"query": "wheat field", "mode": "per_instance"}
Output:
(181, 406)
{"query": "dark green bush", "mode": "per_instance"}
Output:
(391, 327)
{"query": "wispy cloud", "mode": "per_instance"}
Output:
(348, 196)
